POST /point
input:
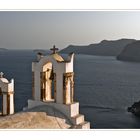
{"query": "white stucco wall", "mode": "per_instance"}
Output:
(11, 86)
(70, 110)
(11, 104)
(69, 67)
(4, 86)
(58, 67)
(68, 93)
(7, 88)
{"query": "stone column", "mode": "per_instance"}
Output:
(8, 103)
(68, 91)
(48, 84)
(72, 89)
(11, 103)
(54, 78)
(42, 85)
(4, 104)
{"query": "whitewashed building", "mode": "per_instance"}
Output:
(53, 85)
(7, 93)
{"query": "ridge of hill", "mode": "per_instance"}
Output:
(104, 48)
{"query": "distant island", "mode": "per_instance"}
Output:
(104, 48)
(131, 52)
(3, 49)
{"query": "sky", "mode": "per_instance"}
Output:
(43, 29)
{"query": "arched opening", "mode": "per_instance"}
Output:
(47, 77)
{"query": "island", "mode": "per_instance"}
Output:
(3, 49)
(131, 52)
(104, 48)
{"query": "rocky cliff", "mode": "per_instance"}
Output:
(41, 117)
(104, 48)
(131, 52)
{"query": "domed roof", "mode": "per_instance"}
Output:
(58, 57)
(4, 80)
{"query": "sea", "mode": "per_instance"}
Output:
(104, 86)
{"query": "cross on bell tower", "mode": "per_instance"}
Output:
(1, 74)
(54, 49)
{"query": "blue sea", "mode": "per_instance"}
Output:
(104, 86)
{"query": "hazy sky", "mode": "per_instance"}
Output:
(24, 30)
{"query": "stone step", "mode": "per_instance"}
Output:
(78, 119)
(84, 125)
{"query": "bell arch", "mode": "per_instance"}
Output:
(7, 95)
(48, 78)
(43, 75)
(47, 82)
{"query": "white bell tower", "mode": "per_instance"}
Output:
(53, 85)
(7, 93)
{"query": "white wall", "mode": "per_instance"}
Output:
(7, 88)
(37, 85)
(59, 68)
(11, 104)
(4, 86)
(11, 86)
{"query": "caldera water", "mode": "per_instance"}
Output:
(104, 86)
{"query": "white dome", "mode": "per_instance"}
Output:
(4, 80)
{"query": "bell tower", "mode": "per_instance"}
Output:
(7, 93)
(56, 71)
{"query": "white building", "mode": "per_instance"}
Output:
(53, 85)
(7, 93)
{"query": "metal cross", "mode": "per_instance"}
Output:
(1, 74)
(54, 49)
